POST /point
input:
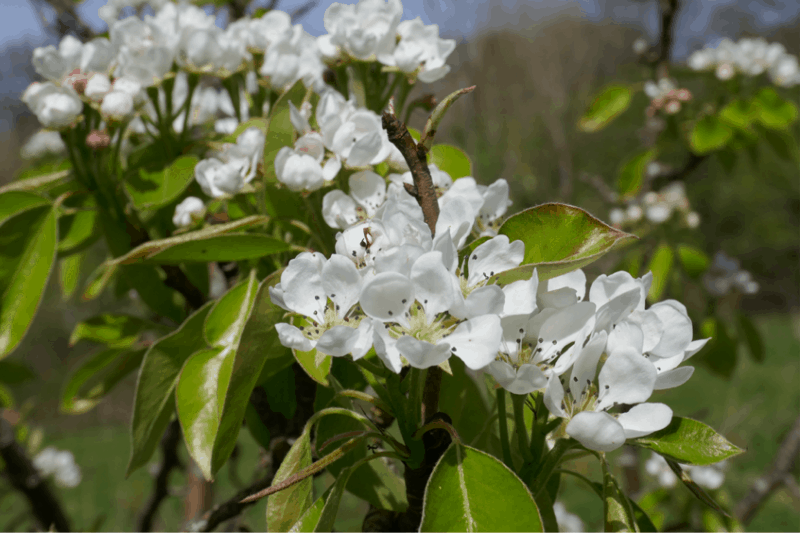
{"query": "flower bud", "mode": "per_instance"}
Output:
(98, 139)
(189, 210)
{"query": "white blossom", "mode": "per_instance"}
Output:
(189, 210)
(60, 464)
(41, 144)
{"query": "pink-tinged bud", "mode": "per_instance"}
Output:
(98, 139)
(658, 103)
(672, 107)
(650, 111)
(684, 95)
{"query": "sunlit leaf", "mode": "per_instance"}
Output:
(611, 102)
(688, 441)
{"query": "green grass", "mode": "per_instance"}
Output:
(753, 410)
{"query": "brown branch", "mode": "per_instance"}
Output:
(779, 471)
(231, 508)
(669, 9)
(417, 160)
(27, 480)
(170, 460)
(303, 10)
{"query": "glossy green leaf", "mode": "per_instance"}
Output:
(257, 345)
(631, 175)
(223, 248)
(27, 253)
(327, 516)
(753, 339)
(695, 261)
(281, 132)
(451, 159)
(698, 491)
(285, 508)
(149, 190)
(558, 238)
(152, 248)
(470, 490)
(661, 266)
(772, 110)
(99, 279)
(611, 102)
(738, 113)
(158, 376)
(617, 512)
(115, 331)
(688, 441)
(15, 202)
(39, 179)
(78, 231)
(308, 522)
(225, 322)
(709, 134)
(86, 386)
(15, 372)
(315, 364)
(69, 274)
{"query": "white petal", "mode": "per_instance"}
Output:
(559, 298)
(342, 283)
(515, 330)
(626, 377)
(433, 284)
(651, 327)
(476, 341)
(604, 288)
(617, 308)
(292, 337)
(574, 280)
(494, 256)
(302, 287)
(464, 189)
(564, 327)
(422, 354)
(596, 431)
(457, 219)
(387, 297)
(331, 168)
(385, 347)
(677, 330)
(444, 243)
(364, 339)
(339, 210)
(495, 201)
(585, 368)
(482, 301)
(364, 150)
(644, 419)
(299, 122)
(673, 378)
(626, 333)
(520, 296)
(369, 190)
(694, 347)
(399, 259)
(523, 381)
(554, 396)
(337, 341)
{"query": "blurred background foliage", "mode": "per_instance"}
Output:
(534, 81)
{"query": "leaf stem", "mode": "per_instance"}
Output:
(503, 423)
(519, 426)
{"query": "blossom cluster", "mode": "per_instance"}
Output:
(710, 477)
(725, 275)
(657, 207)
(749, 57)
(665, 94)
(232, 167)
(60, 464)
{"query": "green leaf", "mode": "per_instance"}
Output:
(115, 331)
(285, 508)
(69, 273)
(739, 114)
(27, 253)
(462, 399)
(40, 179)
(631, 175)
(617, 512)
(308, 522)
(258, 430)
(281, 393)
(328, 515)
(709, 134)
(149, 190)
(720, 354)
(688, 441)
(315, 364)
(611, 102)
(97, 376)
(158, 376)
(78, 231)
(225, 322)
(695, 261)
(558, 238)
(99, 279)
(281, 132)
(699, 493)
(223, 248)
(661, 266)
(257, 345)
(432, 125)
(15, 202)
(755, 344)
(452, 160)
(470, 490)
(782, 143)
(15, 372)
(773, 111)
(153, 248)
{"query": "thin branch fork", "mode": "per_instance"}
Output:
(27, 480)
(778, 474)
(170, 460)
(232, 507)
